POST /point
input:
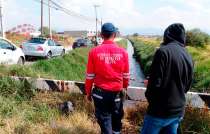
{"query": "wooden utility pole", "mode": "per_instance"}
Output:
(42, 17)
(101, 22)
(1, 19)
(50, 30)
(95, 6)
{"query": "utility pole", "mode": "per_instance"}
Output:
(50, 31)
(95, 6)
(101, 22)
(1, 19)
(42, 17)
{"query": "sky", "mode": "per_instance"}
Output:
(130, 16)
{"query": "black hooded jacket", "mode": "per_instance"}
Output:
(171, 75)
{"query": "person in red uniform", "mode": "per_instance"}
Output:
(108, 70)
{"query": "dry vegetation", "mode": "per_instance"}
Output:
(27, 111)
(37, 112)
(18, 39)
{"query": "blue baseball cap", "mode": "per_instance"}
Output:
(108, 28)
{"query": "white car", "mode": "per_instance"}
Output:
(99, 40)
(42, 47)
(10, 53)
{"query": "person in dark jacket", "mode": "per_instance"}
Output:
(170, 78)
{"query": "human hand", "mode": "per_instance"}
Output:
(145, 83)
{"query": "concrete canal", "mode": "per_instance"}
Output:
(137, 76)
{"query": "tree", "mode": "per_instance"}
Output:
(196, 37)
(135, 34)
(46, 31)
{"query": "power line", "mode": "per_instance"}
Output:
(70, 12)
(67, 10)
(46, 4)
(57, 6)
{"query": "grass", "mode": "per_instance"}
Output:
(144, 52)
(202, 67)
(71, 66)
(196, 121)
(24, 112)
(122, 43)
(37, 112)
(145, 49)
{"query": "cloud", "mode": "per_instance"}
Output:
(125, 14)
(14, 14)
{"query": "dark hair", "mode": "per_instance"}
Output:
(107, 35)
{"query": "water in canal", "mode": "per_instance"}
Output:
(137, 76)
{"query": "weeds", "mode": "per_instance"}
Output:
(38, 113)
(144, 54)
(145, 49)
(26, 111)
(122, 43)
(71, 66)
(20, 91)
(23, 110)
(196, 121)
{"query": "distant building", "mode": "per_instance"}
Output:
(82, 33)
(77, 34)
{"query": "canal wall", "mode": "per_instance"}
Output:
(197, 100)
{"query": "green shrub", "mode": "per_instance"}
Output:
(8, 107)
(122, 43)
(39, 113)
(196, 121)
(71, 66)
(19, 90)
(144, 53)
(197, 38)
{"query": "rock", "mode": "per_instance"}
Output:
(66, 107)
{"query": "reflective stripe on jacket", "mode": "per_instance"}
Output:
(107, 68)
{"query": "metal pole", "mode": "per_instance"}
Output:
(101, 22)
(42, 17)
(50, 31)
(1, 19)
(95, 6)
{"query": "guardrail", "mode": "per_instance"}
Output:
(198, 100)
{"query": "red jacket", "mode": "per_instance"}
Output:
(107, 68)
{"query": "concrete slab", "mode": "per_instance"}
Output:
(198, 100)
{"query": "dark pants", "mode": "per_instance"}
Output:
(108, 110)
